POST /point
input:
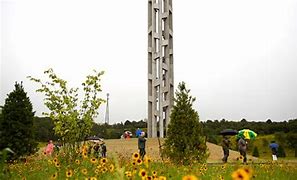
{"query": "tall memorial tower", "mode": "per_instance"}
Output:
(160, 67)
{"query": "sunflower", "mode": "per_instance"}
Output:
(44, 153)
(162, 178)
(85, 155)
(69, 173)
(142, 173)
(240, 174)
(221, 177)
(111, 168)
(55, 160)
(93, 178)
(135, 156)
(134, 163)
(104, 170)
(154, 173)
(128, 174)
(103, 161)
(248, 170)
(54, 176)
(97, 171)
(93, 160)
(190, 177)
(149, 178)
(139, 161)
(147, 159)
(57, 164)
(84, 171)
(77, 162)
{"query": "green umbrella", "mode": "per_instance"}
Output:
(247, 134)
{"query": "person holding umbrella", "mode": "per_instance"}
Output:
(225, 146)
(242, 147)
(226, 142)
(141, 145)
(274, 148)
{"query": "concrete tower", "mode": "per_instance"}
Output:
(160, 66)
(107, 110)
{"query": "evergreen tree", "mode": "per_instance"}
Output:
(281, 151)
(256, 152)
(17, 123)
(185, 142)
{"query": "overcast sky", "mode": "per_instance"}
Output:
(238, 57)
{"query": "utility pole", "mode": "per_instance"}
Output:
(107, 110)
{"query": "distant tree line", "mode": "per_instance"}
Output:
(43, 127)
(260, 127)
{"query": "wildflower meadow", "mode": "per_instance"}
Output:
(84, 165)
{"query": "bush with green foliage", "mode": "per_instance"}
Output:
(17, 132)
(73, 119)
(265, 142)
(281, 151)
(185, 142)
(256, 152)
(292, 141)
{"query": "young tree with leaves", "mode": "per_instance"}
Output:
(17, 132)
(185, 143)
(73, 119)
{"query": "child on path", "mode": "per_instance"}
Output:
(49, 148)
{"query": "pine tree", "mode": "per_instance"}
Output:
(256, 152)
(17, 123)
(185, 143)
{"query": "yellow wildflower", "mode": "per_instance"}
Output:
(69, 173)
(190, 177)
(93, 160)
(142, 173)
(84, 171)
(135, 156)
(54, 176)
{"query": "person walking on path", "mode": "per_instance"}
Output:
(242, 147)
(141, 145)
(96, 148)
(225, 146)
(103, 150)
(274, 148)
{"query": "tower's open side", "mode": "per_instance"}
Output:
(160, 66)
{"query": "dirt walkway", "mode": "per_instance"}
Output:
(127, 147)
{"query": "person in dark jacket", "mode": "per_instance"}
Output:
(274, 148)
(242, 147)
(103, 150)
(225, 146)
(96, 148)
(141, 145)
